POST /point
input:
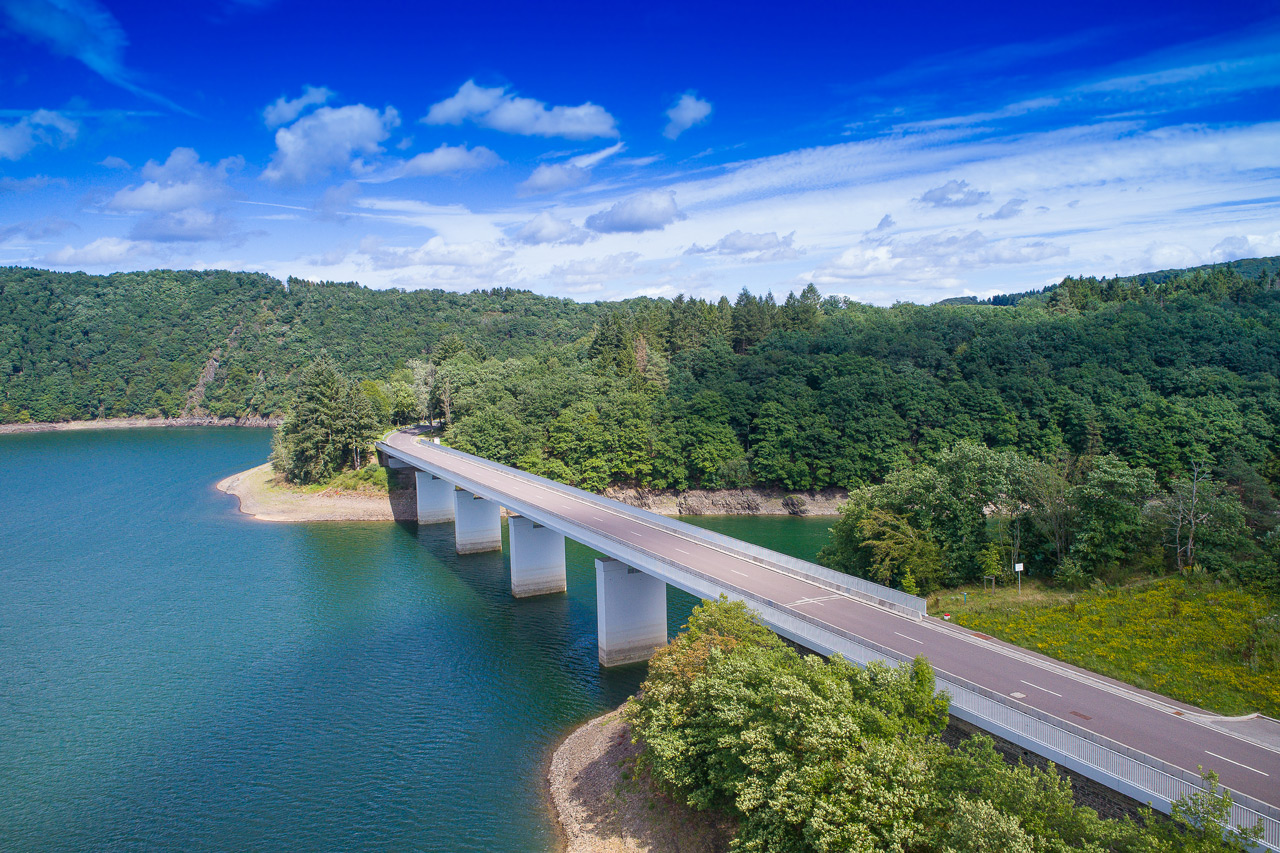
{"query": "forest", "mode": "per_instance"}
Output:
(1089, 430)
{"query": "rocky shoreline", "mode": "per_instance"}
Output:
(603, 806)
(139, 423)
(732, 501)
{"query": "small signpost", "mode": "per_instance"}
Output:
(1017, 568)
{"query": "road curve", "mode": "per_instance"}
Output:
(1159, 727)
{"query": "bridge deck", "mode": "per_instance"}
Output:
(1177, 734)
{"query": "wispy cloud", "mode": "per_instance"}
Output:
(284, 109)
(553, 177)
(84, 30)
(687, 111)
(42, 127)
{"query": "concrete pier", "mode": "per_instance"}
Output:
(631, 613)
(537, 558)
(477, 523)
(435, 498)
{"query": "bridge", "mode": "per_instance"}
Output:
(1142, 745)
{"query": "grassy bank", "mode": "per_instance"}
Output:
(1195, 640)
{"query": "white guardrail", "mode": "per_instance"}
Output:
(1135, 774)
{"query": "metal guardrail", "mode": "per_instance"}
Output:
(1134, 773)
(896, 600)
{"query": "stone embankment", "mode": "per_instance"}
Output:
(141, 423)
(732, 501)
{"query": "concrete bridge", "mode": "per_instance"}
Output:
(1144, 746)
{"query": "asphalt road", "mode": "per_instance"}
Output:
(1141, 721)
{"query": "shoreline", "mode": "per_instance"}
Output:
(602, 806)
(264, 500)
(138, 423)
(260, 498)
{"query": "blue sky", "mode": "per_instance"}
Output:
(883, 151)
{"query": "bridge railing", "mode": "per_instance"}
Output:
(1132, 772)
(883, 596)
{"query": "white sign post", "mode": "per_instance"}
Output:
(1017, 567)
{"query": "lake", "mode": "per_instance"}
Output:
(177, 676)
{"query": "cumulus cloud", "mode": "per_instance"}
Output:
(687, 111)
(546, 227)
(83, 30)
(1246, 246)
(328, 139)
(761, 247)
(1008, 210)
(284, 110)
(498, 109)
(182, 181)
(648, 211)
(105, 251)
(42, 127)
(552, 177)
(444, 160)
(954, 194)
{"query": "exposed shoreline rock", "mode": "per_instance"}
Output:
(732, 501)
(140, 423)
(602, 806)
(261, 497)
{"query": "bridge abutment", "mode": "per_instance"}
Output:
(435, 498)
(631, 613)
(477, 523)
(537, 558)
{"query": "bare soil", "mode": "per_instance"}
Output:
(265, 498)
(604, 807)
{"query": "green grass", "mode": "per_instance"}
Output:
(1209, 644)
(370, 478)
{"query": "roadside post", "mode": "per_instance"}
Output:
(1017, 568)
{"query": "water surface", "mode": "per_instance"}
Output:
(176, 676)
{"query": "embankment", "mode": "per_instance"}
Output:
(140, 423)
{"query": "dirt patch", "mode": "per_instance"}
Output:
(263, 498)
(603, 807)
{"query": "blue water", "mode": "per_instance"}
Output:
(176, 676)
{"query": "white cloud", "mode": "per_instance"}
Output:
(760, 246)
(436, 252)
(284, 110)
(1008, 210)
(328, 139)
(114, 162)
(687, 111)
(189, 225)
(105, 251)
(42, 127)
(590, 272)
(1246, 246)
(954, 194)
(551, 177)
(497, 109)
(648, 211)
(886, 222)
(182, 181)
(441, 161)
(547, 228)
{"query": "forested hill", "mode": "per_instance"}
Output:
(802, 394)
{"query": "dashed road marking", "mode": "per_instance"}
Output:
(1038, 687)
(736, 572)
(912, 639)
(1237, 763)
(681, 550)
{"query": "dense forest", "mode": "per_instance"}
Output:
(1093, 428)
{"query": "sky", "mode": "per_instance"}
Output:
(884, 152)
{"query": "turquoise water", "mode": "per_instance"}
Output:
(176, 676)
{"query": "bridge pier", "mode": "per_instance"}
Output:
(435, 498)
(477, 523)
(631, 613)
(537, 558)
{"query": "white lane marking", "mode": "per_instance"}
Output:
(597, 518)
(681, 550)
(1238, 764)
(637, 535)
(736, 572)
(912, 639)
(1038, 687)
(817, 600)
